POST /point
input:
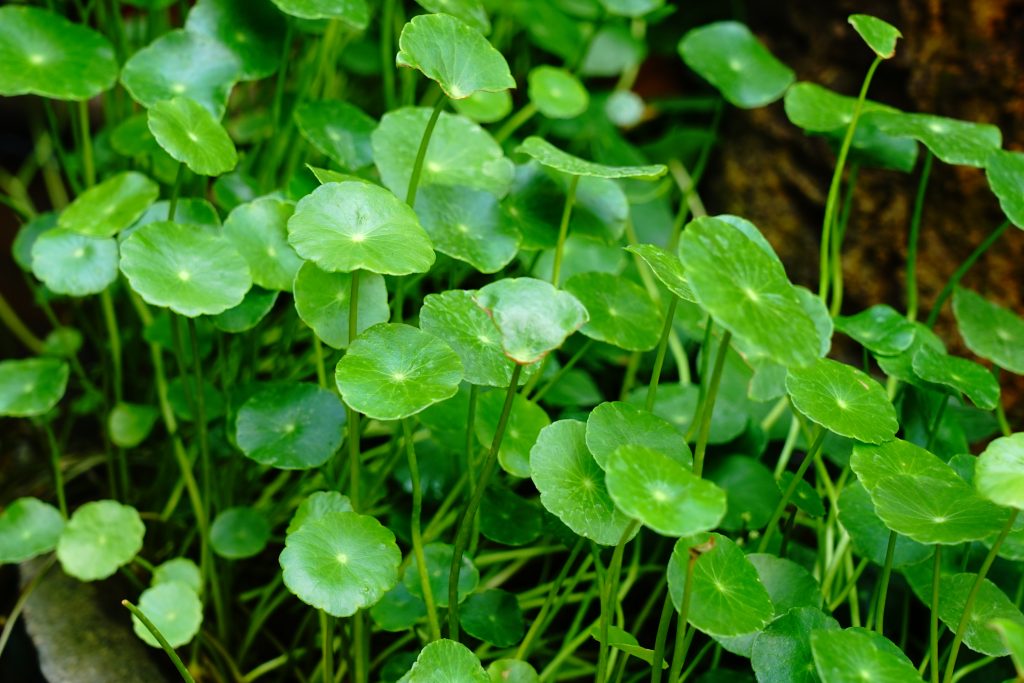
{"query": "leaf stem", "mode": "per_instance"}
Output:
(178, 664)
(326, 647)
(708, 405)
(88, 166)
(172, 205)
(883, 583)
(915, 234)
(610, 593)
(563, 229)
(421, 153)
(681, 642)
(387, 52)
(114, 338)
(837, 241)
(514, 122)
(659, 358)
(959, 273)
(474, 392)
(780, 509)
(538, 621)
(58, 475)
(661, 639)
(561, 372)
(18, 328)
(416, 533)
(353, 415)
(466, 520)
(933, 623)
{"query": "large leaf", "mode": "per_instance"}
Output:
(557, 93)
(251, 29)
(782, 652)
(951, 140)
(990, 603)
(552, 157)
(880, 329)
(855, 655)
(176, 611)
(108, 208)
(622, 313)
(322, 301)
(354, 13)
(611, 425)
(467, 224)
(259, 230)
(191, 135)
(338, 129)
(31, 387)
(70, 263)
(100, 537)
(989, 330)
(955, 375)
(290, 426)
(999, 474)
(869, 535)
(446, 661)
(1005, 173)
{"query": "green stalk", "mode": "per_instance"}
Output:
(172, 205)
(88, 166)
(178, 664)
(417, 536)
(958, 275)
(563, 228)
(659, 358)
(780, 509)
(883, 584)
(387, 52)
(326, 647)
(933, 623)
(965, 618)
(661, 639)
(562, 371)
(610, 593)
(851, 584)
(837, 242)
(58, 146)
(200, 405)
(514, 122)
(58, 476)
(705, 362)
(679, 651)
(421, 153)
(709, 405)
(474, 392)
(466, 521)
(915, 234)
(114, 335)
(837, 175)
(18, 328)
(538, 621)
(318, 358)
(353, 415)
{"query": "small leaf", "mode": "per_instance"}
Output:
(666, 267)
(622, 313)
(552, 157)
(880, 329)
(27, 235)
(392, 371)
(611, 425)
(398, 610)
(999, 473)
(130, 423)
(291, 426)
(108, 208)
(255, 306)
(251, 29)
(175, 610)
(557, 93)
(512, 671)
(28, 527)
(1005, 174)
(494, 617)
(338, 129)
(632, 8)
(869, 535)
(452, 53)
(990, 603)
(446, 661)
(322, 302)
(191, 270)
(357, 226)
(525, 423)
(854, 655)
(957, 375)
(259, 230)
(897, 457)
(508, 519)
(467, 225)
(989, 330)
(438, 562)
(318, 504)
(727, 55)
(180, 570)
(805, 498)
(74, 264)
(100, 537)
(782, 652)
(844, 400)
(354, 13)
(817, 109)
(1012, 634)
(880, 36)
(750, 490)
(951, 140)
(239, 532)
(31, 387)
(341, 562)
(191, 135)
(485, 107)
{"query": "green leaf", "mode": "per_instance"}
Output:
(398, 610)
(727, 597)
(957, 375)
(951, 140)
(817, 109)
(508, 519)
(632, 8)
(557, 93)
(611, 425)
(31, 387)
(661, 493)
(239, 532)
(990, 603)
(74, 264)
(460, 153)
(192, 135)
(45, 54)
(494, 617)
(467, 225)
(322, 301)
(191, 270)
(338, 129)
(869, 535)
(901, 366)
(788, 583)
(108, 208)
(27, 235)
(897, 457)
(1012, 634)
(438, 562)
(446, 661)
(572, 485)
(750, 491)
(179, 570)
(678, 404)
(805, 498)
(666, 267)
(880, 329)
(100, 537)
(532, 316)
(989, 330)
(622, 313)
(611, 51)
(782, 652)
(28, 527)
(621, 639)
(525, 423)
(354, 13)
(745, 289)
(454, 317)
(732, 59)
(317, 505)
(855, 655)
(255, 306)
(1005, 174)
(130, 423)
(259, 230)
(341, 562)
(392, 371)
(290, 426)
(357, 226)
(453, 54)
(880, 36)
(999, 473)
(844, 400)
(251, 29)
(552, 157)
(186, 64)
(175, 610)
(512, 671)
(188, 210)
(483, 106)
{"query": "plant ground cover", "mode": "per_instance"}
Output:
(403, 349)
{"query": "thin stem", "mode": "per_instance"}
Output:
(58, 475)
(417, 536)
(883, 584)
(172, 205)
(563, 228)
(514, 122)
(839, 233)
(562, 371)
(659, 358)
(387, 52)
(661, 639)
(466, 521)
(965, 618)
(709, 404)
(705, 356)
(318, 358)
(959, 273)
(114, 337)
(780, 509)
(13, 323)
(609, 594)
(421, 153)
(933, 623)
(353, 415)
(200, 401)
(933, 430)
(679, 651)
(538, 621)
(327, 646)
(837, 175)
(915, 234)
(851, 584)
(474, 393)
(12, 618)
(88, 167)
(178, 664)
(58, 146)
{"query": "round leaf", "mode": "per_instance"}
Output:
(666, 267)
(439, 562)
(452, 53)
(989, 330)
(251, 29)
(45, 54)
(239, 532)
(844, 400)
(180, 570)
(471, 12)
(100, 537)
(291, 426)
(338, 129)
(28, 527)
(1005, 174)
(483, 106)
(525, 423)
(259, 230)
(874, 463)
(512, 671)
(990, 603)
(951, 140)
(869, 535)
(880, 329)
(130, 423)
(322, 301)
(108, 208)
(467, 224)
(508, 519)
(494, 617)
(392, 371)
(191, 270)
(999, 473)
(357, 226)
(354, 13)
(955, 375)
(856, 655)
(446, 661)
(192, 136)
(31, 387)
(880, 36)
(750, 490)
(728, 56)
(70, 263)
(557, 93)
(782, 652)
(317, 505)
(241, 318)
(661, 493)
(341, 562)
(398, 610)
(174, 608)
(552, 157)
(819, 110)
(611, 425)
(532, 316)
(622, 313)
